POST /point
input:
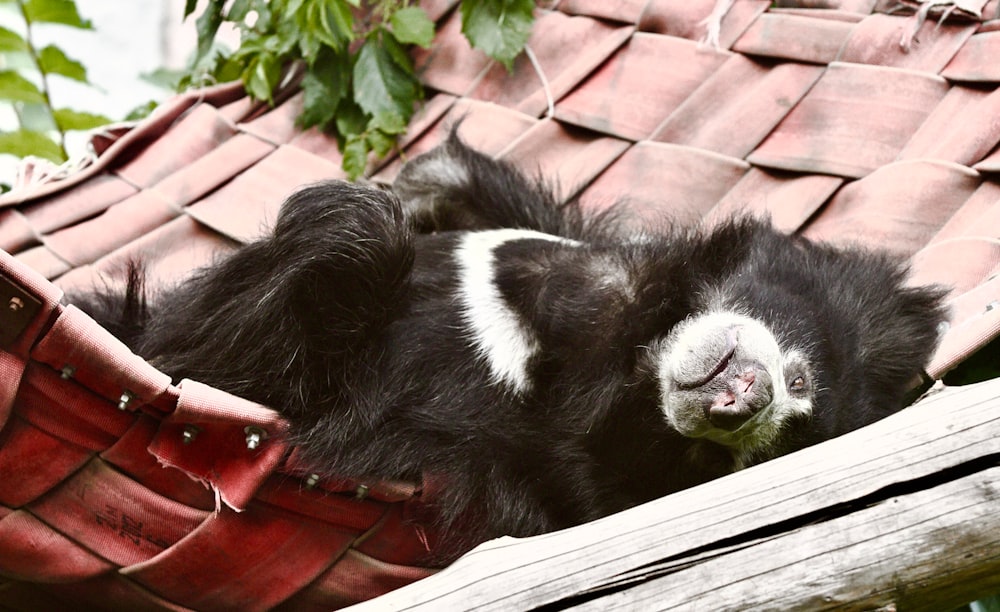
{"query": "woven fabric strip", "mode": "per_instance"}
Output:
(120, 490)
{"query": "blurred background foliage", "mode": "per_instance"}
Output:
(358, 80)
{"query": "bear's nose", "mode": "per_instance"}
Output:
(746, 393)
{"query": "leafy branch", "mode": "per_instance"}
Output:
(359, 83)
(25, 75)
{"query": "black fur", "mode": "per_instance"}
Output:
(348, 322)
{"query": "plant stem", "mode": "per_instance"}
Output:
(33, 54)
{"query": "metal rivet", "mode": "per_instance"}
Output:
(189, 434)
(312, 481)
(67, 372)
(992, 305)
(125, 399)
(15, 304)
(255, 435)
(362, 491)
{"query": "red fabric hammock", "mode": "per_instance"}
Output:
(120, 489)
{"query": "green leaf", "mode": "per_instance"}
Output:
(207, 26)
(339, 13)
(500, 28)
(396, 50)
(262, 77)
(324, 85)
(390, 123)
(318, 106)
(350, 120)
(68, 119)
(383, 88)
(11, 41)
(165, 78)
(52, 60)
(23, 143)
(330, 21)
(227, 69)
(380, 142)
(355, 156)
(142, 111)
(189, 7)
(36, 117)
(55, 11)
(239, 10)
(16, 88)
(412, 26)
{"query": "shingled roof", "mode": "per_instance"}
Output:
(841, 121)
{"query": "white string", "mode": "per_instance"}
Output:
(713, 23)
(545, 82)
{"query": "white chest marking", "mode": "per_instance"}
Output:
(500, 336)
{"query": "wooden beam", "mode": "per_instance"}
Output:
(904, 513)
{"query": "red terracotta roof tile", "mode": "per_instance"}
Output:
(625, 11)
(565, 48)
(688, 19)
(43, 260)
(16, 232)
(436, 9)
(962, 128)
(935, 264)
(246, 207)
(640, 86)
(239, 109)
(789, 199)
(490, 126)
(87, 241)
(855, 119)
(733, 122)
(663, 182)
(87, 200)
(567, 157)
(194, 181)
(428, 116)
(978, 217)
(976, 61)
(878, 40)
(989, 164)
(318, 143)
(451, 64)
(277, 126)
(798, 37)
(204, 129)
(899, 207)
(167, 254)
(975, 320)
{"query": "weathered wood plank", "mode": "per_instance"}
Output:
(739, 524)
(920, 551)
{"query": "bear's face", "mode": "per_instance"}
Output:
(725, 377)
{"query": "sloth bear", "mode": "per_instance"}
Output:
(544, 366)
